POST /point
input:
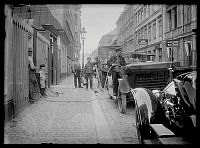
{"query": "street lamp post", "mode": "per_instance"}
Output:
(83, 32)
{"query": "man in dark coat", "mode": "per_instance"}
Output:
(88, 71)
(76, 70)
(117, 59)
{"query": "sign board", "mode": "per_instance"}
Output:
(171, 43)
(142, 41)
(175, 43)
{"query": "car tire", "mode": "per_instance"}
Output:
(138, 127)
(142, 127)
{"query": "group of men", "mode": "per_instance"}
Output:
(115, 62)
(87, 73)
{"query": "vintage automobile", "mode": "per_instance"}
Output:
(151, 75)
(167, 116)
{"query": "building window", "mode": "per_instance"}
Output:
(160, 27)
(149, 32)
(179, 16)
(139, 37)
(154, 30)
(140, 33)
(187, 14)
(136, 19)
(148, 10)
(175, 17)
(160, 54)
(76, 19)
(142, 15)
(145, 12)
(136, 37)
(169, 16)
(145, 32)
(152, 9)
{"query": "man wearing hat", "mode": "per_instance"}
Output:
(88, 71)
(116, 59)
(76, 70)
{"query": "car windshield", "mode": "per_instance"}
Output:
(170, 89)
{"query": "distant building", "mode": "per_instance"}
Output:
(148, 28)
(106, 45)
(126, 29)
(180, 23)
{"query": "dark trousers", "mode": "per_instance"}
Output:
(103, 78)
(89, 76)
(77, 77)
(34, 89)
(115, 76)
(43, 92)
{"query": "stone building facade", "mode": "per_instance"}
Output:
(53, 33)
(126, 28)
(180, 23)
(148, 28)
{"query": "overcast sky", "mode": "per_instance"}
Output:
(98, 20)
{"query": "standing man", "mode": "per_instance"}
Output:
(34, 90)
(117, 59)
(99, 68)
(88, 71)
(76, 70)
(42, 80)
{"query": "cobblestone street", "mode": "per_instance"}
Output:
(122, 126)
(57, 58)
(76, 116)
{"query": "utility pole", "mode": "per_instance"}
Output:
(83, 32)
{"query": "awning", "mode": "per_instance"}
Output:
(51, 28)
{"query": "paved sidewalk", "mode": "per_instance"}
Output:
(73, 117)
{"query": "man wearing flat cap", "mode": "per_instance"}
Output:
(117, 59)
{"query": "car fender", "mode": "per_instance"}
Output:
(149, 106)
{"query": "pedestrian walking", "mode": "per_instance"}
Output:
(42, 80)
(116, 59)
(34, 90)
(88, 72)
(76, 70)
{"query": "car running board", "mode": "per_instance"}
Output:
(161, 131)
